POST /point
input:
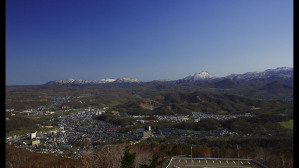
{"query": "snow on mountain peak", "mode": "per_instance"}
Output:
(204, 75)
(101, 81)
(283, 72)
(279, 72)
(127, 80)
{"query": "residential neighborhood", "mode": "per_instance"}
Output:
(78, 130)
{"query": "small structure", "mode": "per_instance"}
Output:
(48, 126)
(142, 133)
(139, 130)
(150, 121)
(197, 119)
(146, 134)
(140, 121)
(98, 112)
(9, 110)
(61, 128)
(33, 135)
(39, 134)
(35, 142)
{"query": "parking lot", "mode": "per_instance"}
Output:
(213, 163)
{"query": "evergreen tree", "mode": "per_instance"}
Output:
(128, 159)
(154, 162)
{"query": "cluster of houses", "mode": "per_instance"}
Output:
(80, 130)
(202, 115)
(76, 131)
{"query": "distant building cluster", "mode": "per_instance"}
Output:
(79, 130)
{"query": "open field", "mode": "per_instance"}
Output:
(288, 124)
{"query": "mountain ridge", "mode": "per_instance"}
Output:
(100, 81)
(285, 73)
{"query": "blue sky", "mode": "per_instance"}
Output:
(146, 39)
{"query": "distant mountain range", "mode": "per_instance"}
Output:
(280, 73)
(101, 81)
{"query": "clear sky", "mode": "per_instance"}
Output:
(145, 39)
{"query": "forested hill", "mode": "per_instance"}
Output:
(217, 95)
(218, 103)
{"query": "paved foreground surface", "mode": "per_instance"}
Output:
(213, 163)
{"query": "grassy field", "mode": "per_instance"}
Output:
(288, 124)
(192, 131)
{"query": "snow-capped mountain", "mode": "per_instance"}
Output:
(121, 80)
(70, 81)
(280, 72)
(199, 76)
(101, 81)
(105, 80)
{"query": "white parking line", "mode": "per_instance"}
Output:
(191, 163)
(213, 166)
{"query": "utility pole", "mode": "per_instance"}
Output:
(238, 154)
(191, 150)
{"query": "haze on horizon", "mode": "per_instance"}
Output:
(147, 40)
